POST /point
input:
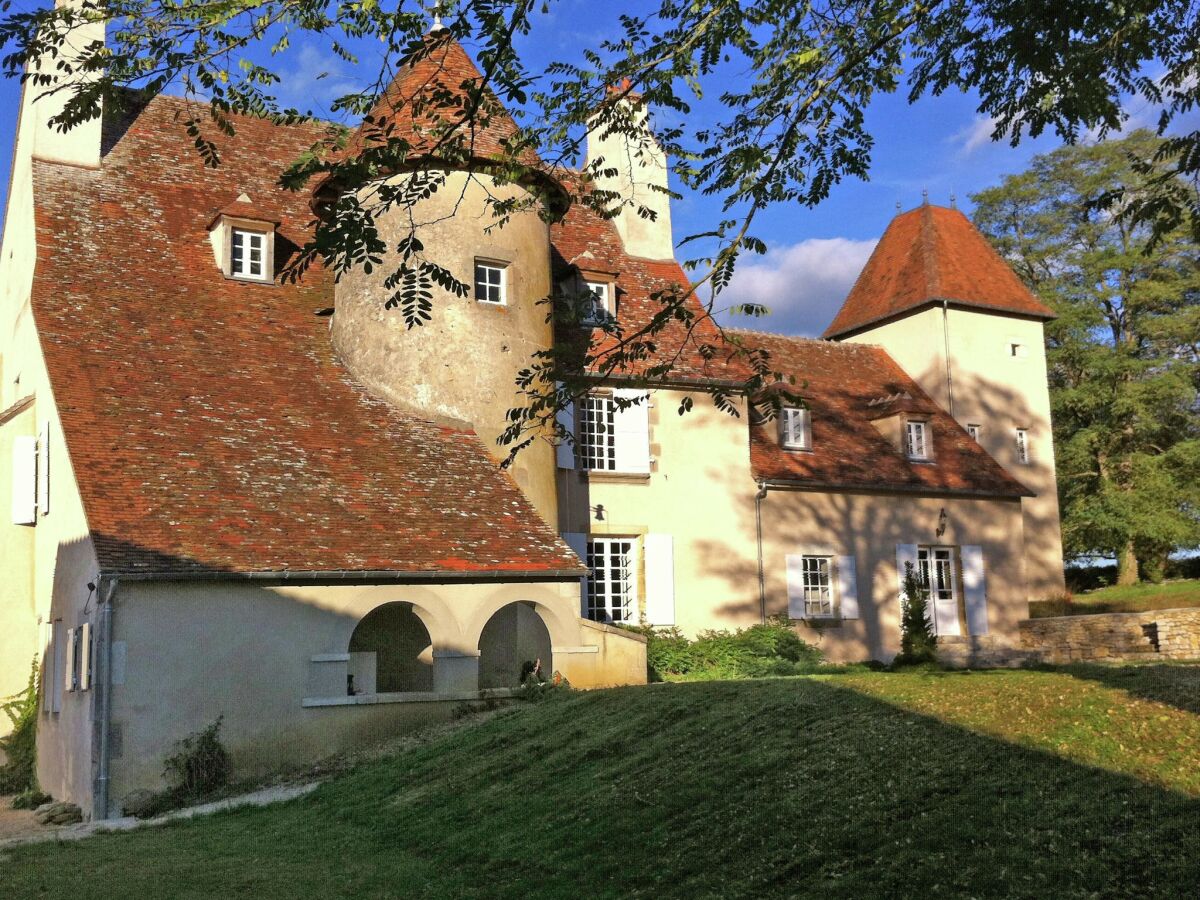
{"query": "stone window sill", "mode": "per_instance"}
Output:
(601, 476)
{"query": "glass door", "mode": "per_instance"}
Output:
(938, 573)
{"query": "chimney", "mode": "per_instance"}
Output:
(638, 179)
(79, 146)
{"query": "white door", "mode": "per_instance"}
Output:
(937, 570)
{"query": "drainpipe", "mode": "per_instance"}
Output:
(762, 588)
(107, 591)
(946, 340)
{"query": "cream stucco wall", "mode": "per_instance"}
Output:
(190, 652)
(701, 493)
(998, 391)
(869, 527)
(463, 364)
(635, 170)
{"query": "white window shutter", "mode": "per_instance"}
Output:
(974, 588)
(577, 541)
(24, 480)
(795, 586)
(847, 576)
(660, 579)
(85, 656)
(566, 449)
(69, 669)
(43, 469)
(631, 430)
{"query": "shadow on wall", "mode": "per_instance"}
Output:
(999, 410)
(251, 652)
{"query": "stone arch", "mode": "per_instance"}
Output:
(513, 636)
(391, 650)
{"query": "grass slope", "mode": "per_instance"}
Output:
(989, 784)
(1122, 598)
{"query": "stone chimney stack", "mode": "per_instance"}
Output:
(79, 146)
(639, 178)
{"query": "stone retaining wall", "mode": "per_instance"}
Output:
(1160, 634)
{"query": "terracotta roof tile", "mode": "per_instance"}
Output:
(209, 424)
(846, 387)
(927, 255)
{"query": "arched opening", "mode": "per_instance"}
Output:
(391, 652)
(514, 636)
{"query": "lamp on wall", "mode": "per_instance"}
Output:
(598, 510)
(941, 526)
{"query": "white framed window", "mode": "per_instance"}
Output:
(248, 254)
(1017, 350)
(1023, 455)
(491, 282)
(916, 439)
(795, 428)
(612, 584)
(973, 431)
(598, 432)
(600, 293)
(817, 574)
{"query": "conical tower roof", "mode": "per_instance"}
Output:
(928, 255)
(441, 105)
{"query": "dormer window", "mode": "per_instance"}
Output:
(248, 254)
(795, 428)
(916, 440)
(243, 241)
(601, 297)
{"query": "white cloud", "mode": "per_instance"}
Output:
(802, 284)
(312, 78)
(975, 135)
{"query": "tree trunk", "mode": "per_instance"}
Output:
(1127, 565)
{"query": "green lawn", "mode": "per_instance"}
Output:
(1079, 782)
(1118, 598)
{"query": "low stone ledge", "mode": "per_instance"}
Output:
(407, 697)
(1161, 633)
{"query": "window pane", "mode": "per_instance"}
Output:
(597, 433)
(489, 283)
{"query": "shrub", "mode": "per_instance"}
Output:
(760, 651)
(917, 642)
(19, 774)
(200, 764)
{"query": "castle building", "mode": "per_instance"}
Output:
(223, 501)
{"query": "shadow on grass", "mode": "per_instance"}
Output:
(1176, 685)
(774, 788)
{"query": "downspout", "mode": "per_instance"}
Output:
(762, 587)
(946, 339)
(108, 590)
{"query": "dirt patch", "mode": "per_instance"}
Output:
(16, 822)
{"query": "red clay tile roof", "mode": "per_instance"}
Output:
(209, 425)
(839, 383)
(927, 255)
(585, 240)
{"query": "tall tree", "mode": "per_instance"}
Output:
(788, 83)
(1124, 354)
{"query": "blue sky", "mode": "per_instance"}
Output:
(938, 144)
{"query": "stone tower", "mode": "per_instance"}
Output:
(949, 310)
(460, 367)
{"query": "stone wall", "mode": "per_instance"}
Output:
(1160, 634)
